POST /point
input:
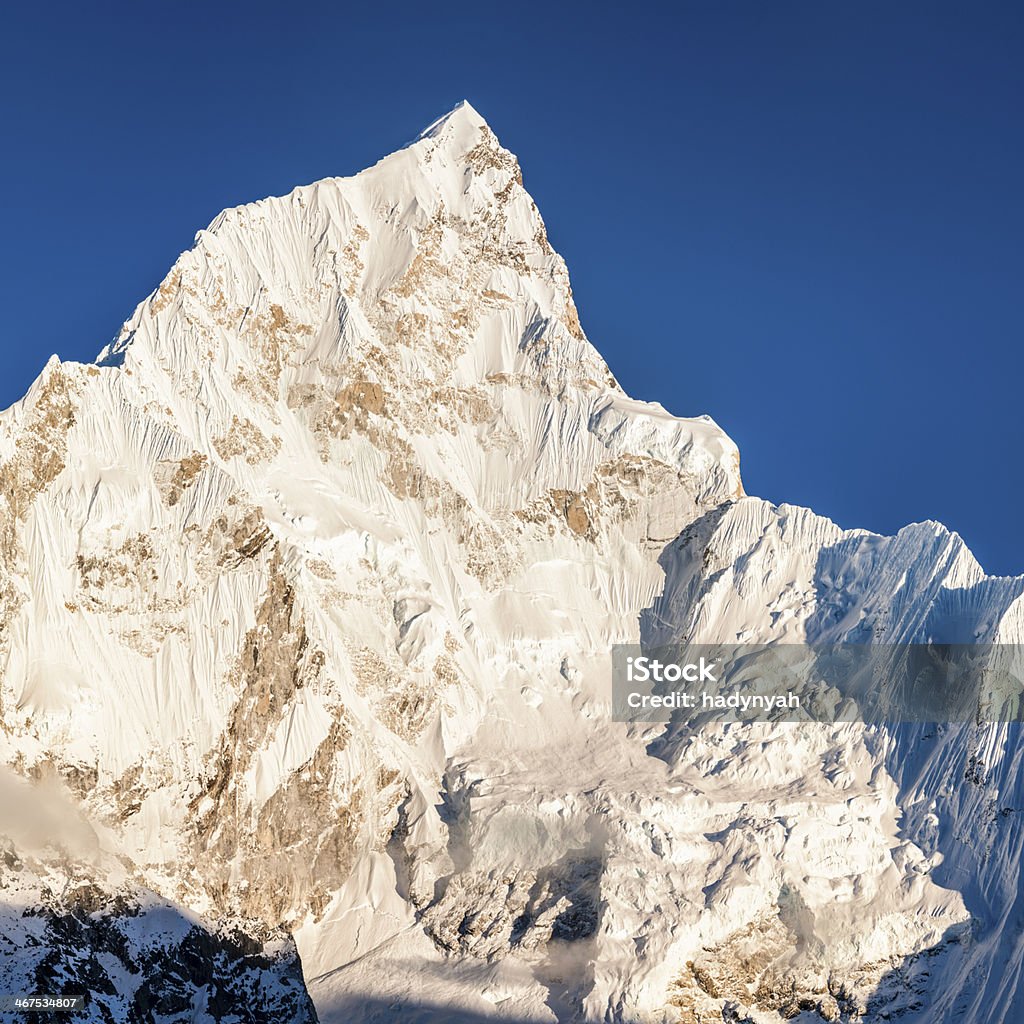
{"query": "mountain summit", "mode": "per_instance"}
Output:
(463, 113)
(308, 589)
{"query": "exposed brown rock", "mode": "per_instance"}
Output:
(243, 437)
(183, 475)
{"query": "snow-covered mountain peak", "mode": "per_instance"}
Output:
(425, 283)
(381, 254)
(307, 591)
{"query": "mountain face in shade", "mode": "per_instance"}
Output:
(307, 593)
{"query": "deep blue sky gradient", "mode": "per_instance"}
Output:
(805, 219)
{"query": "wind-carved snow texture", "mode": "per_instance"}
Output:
(308, 588)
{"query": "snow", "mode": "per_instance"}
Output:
(323, 587)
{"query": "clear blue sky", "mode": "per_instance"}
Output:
(805, 219)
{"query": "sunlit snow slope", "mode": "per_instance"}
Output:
(307, 593)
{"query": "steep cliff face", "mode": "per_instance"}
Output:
(308, 587)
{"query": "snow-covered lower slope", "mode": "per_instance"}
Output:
(307, 594)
